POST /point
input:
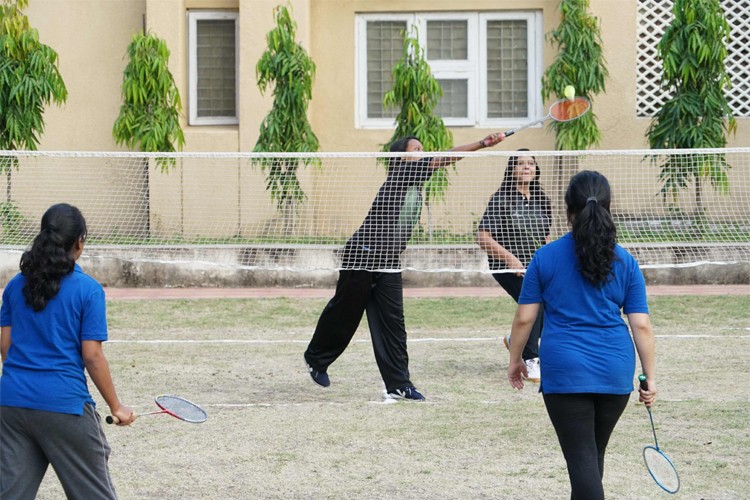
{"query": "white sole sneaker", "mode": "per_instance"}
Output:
(533, 370)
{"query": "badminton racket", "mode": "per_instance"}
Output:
(175, 406)
(658, 464)
(563, 110)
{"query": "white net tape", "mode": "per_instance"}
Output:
(215, 209)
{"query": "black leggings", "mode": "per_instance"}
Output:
(584, 423)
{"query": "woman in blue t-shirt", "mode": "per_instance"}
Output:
(364, 286)
(585, 280)
(53, 323)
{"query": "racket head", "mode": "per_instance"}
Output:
(181, 408)
(662, 469)
(566, 110)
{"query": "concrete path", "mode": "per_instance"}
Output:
(321, 293)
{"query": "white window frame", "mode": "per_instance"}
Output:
(193, 17)
(360, 78)
(472, 69)
(451, 69)
(535, 46)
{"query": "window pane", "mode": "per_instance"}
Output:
(447, 40)
(385, 41)
(216, 68)
(455, 101)
(507, 69)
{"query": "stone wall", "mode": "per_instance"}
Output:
(241, 266)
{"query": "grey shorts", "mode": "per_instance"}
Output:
(75, 445)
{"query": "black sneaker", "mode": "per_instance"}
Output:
(319, 377)
(410, 393)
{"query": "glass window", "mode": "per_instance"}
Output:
(213, 68)
(455, 101)
(447, 40)
(385, 40)
(507, 69)
(488, 64)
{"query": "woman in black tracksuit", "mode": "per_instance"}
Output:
(370, 278)
(516, 222)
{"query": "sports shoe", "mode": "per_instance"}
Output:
(319, 377)
(506, 341)
(410, 393)
(532, 368)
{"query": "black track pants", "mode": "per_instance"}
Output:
(381, 295)
(512, 284)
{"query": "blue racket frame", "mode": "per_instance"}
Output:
(653, 476)
(642, 379)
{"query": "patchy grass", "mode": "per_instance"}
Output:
(272, 433)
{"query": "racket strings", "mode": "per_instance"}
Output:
(661, 469)
(566, 109)
(182, 408)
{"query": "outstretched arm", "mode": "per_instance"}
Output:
(487, 142)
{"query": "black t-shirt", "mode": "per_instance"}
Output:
(383, 235)
(519, 224)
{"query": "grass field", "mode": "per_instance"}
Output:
(273, 434)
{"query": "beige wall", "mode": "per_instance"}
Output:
(91, 37)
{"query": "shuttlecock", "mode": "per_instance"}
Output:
(570, 92)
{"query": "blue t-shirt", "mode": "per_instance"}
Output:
(44, 369)
(586, 345)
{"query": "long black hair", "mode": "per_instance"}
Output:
(49, 259)
(536, 191)
(588, 199)
(399, 146)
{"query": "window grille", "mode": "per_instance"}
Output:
(654, 16)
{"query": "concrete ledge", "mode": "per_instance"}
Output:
(315, 266)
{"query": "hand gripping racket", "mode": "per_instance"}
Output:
(175, 406)
(563, 110)
(659, 465)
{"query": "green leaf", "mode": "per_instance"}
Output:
(696, 114)
(288, 69)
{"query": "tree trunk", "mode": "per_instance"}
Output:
(565, 168)
(146, 198)
(699, 221)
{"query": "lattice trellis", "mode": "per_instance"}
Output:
(653, 18)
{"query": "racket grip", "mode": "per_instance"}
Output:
(111, 419)
(509, 133)
(642, 380)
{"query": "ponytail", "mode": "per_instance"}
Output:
(588, 200)
(49, 259)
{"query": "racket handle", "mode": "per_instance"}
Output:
(642, 380)
(111, 419)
